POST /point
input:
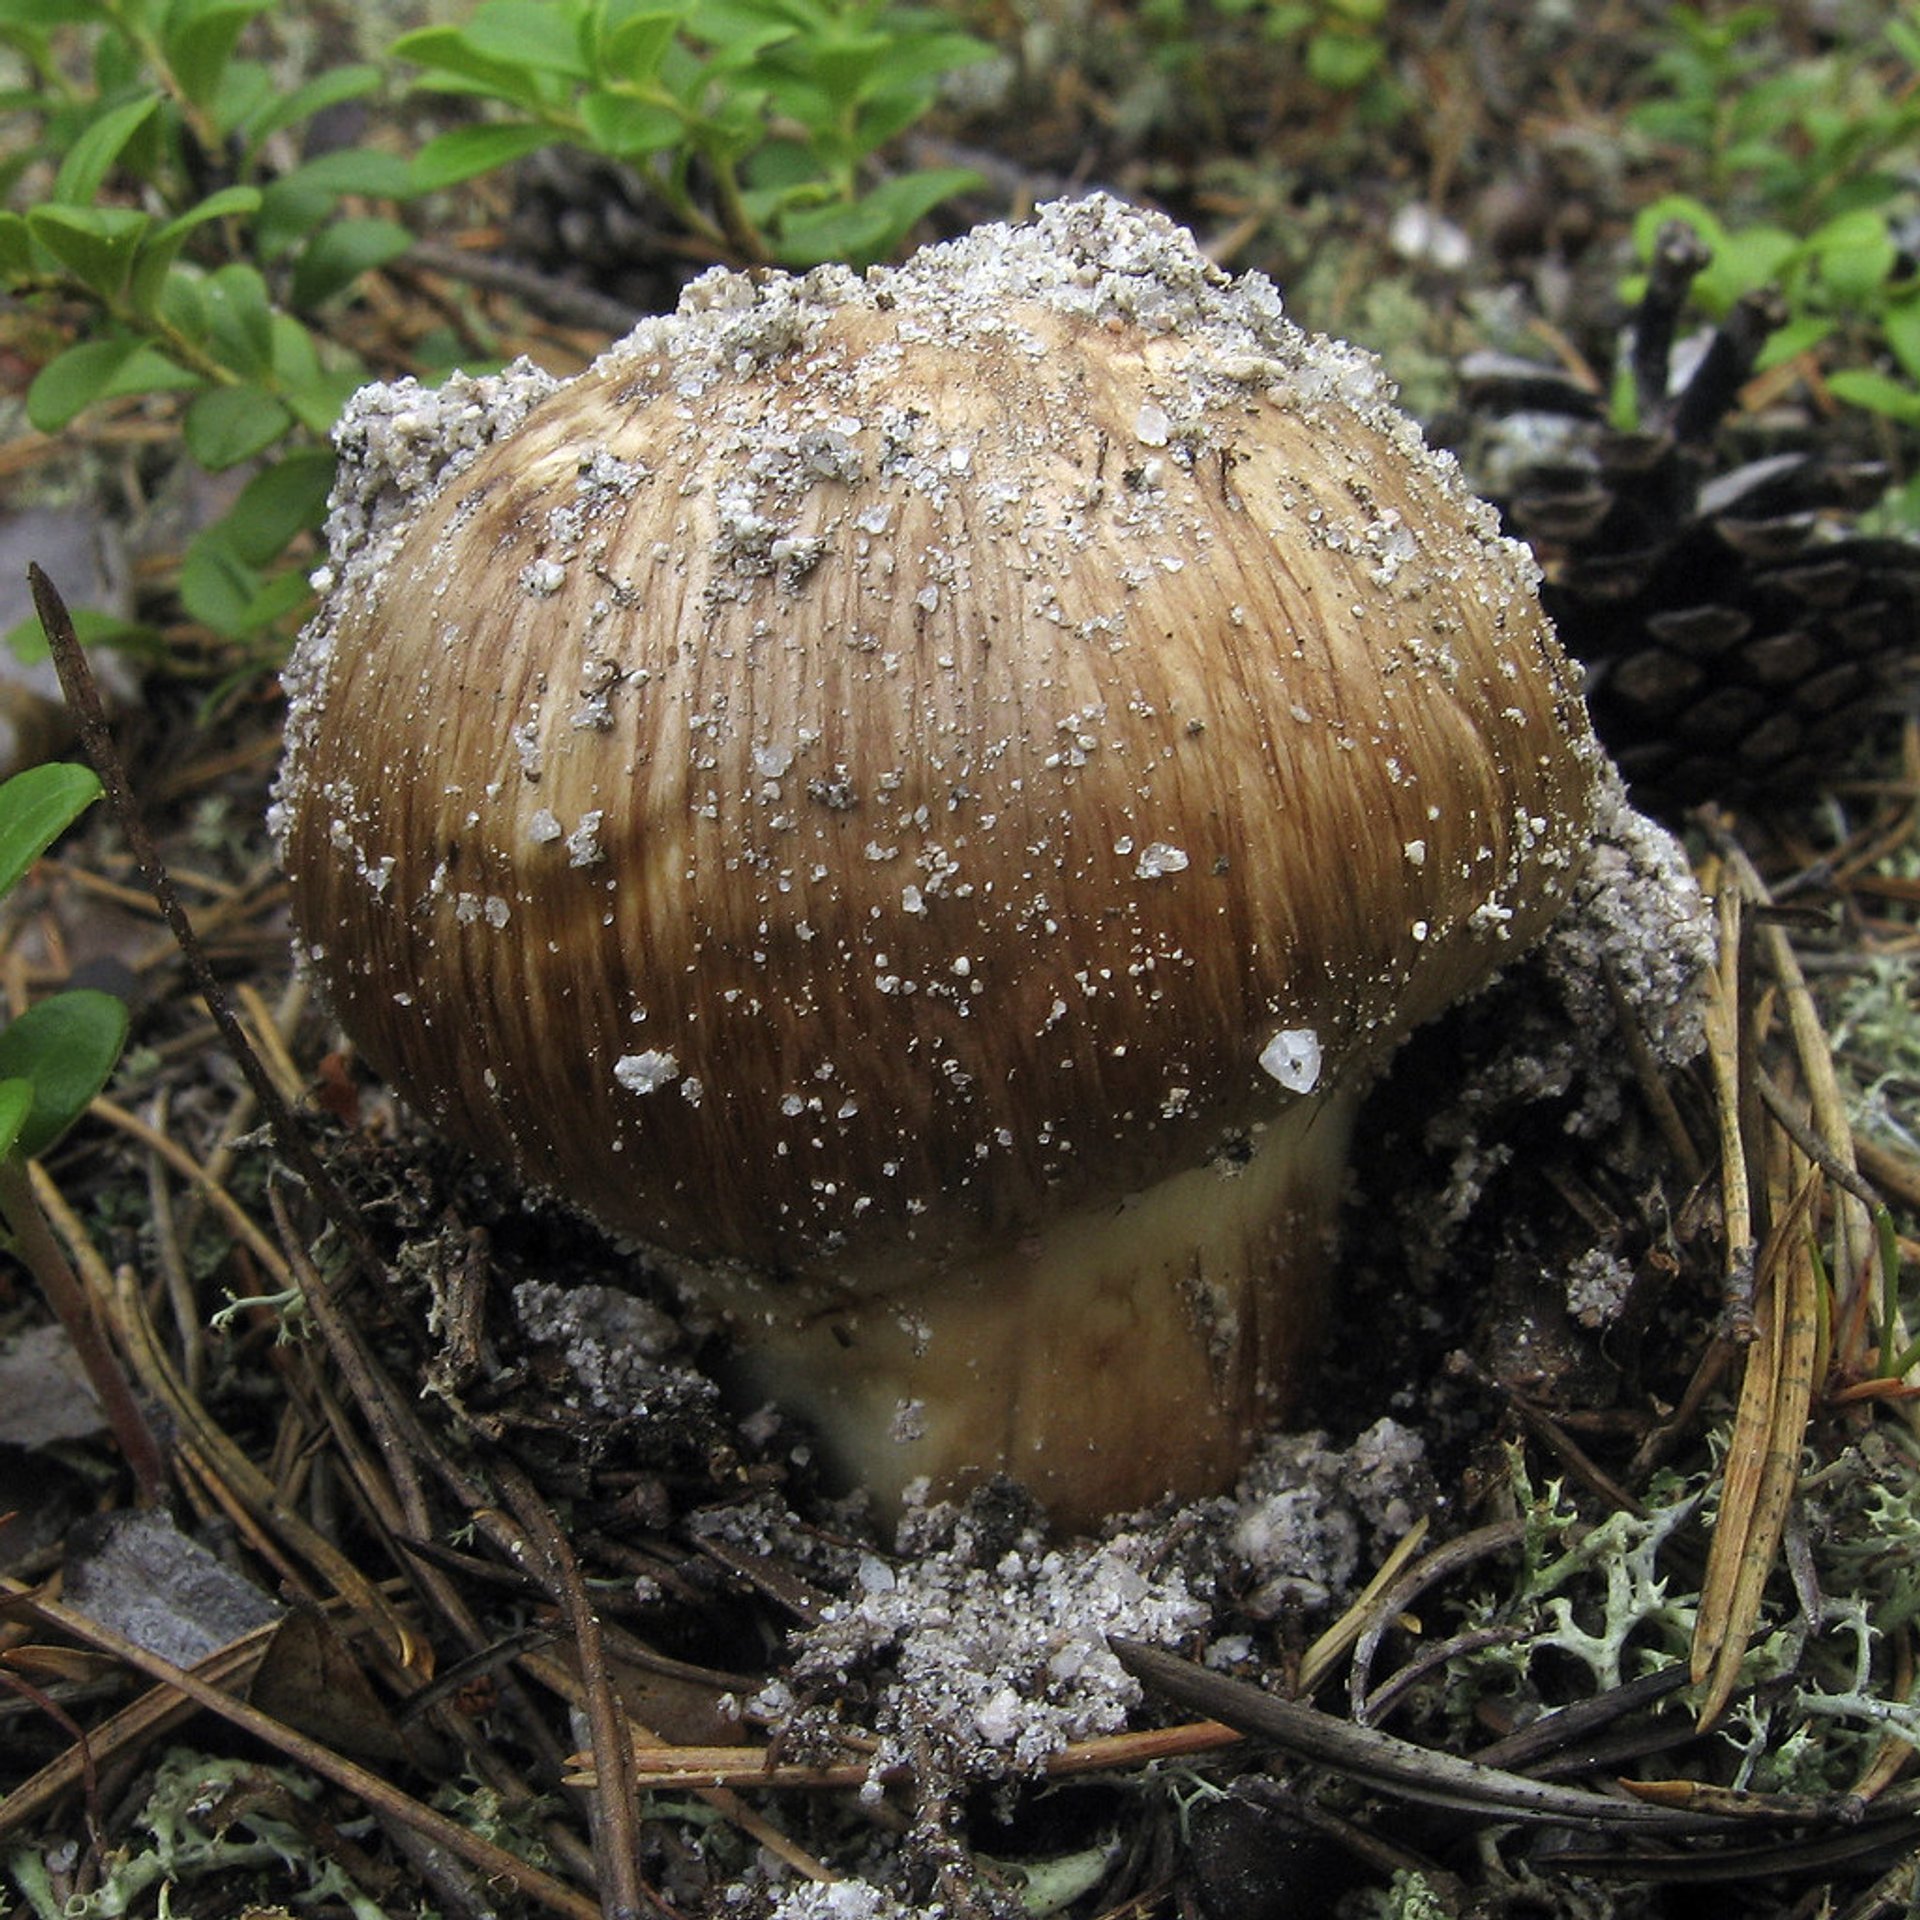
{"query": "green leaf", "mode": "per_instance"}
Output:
(362, 170)
(16, 1102)
(1798, 336)
(159, 251)
(1877, 393)
(459, 154)
(1856, 254)
(535, 34)
(621, 126)
(1901, 324)
(26, 642)
(221, 589)
(240, 318)
(226, 425)
(95, 244)
(91, 157)
(338, 255)
(199, 46)
(16, 247)
(872, 227)
(633, 50)
(278, 504)
(330, 89)
(49, 13)
(36, 808)
(447, 53)
(182, 305)
(1342, 62)
(68, 385)
(66, 1048)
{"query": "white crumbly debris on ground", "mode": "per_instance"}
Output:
(1597, 1283)
(995, 1665)
(997, 1657)
(847, 1900)
(616, 1348)
(1637, 917)
(1312, 1520)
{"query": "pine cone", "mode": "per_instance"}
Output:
(1739, 636)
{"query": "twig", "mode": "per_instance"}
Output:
(552, 299)
(1399, 1767)
(21, 1208)
(616, 1832)
(96, 736)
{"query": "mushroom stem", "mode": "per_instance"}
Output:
(1142, 1344)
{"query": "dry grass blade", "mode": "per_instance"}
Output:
(660, 1766)
(1723, 1058)
(1763, 1454)
(1326, 1652)
(198, 1435)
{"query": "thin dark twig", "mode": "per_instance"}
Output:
(1432, 1567)
(623, 1894)
(552, 299)
(1390, 1765)
(1566, 1725)
(96, 736)
(1810, 1143)
(82, 1745)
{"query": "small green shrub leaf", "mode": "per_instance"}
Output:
(16, 1102)
(25, 641)
(633, 50)
(66, 1049)
(1877, 392)
(279, 503)
(874, 226)
(95, 244)
(340, 253)
(240, 318)
(1901, 325)
(67, 386)
(622, 126)
(449, 56)
(199, 46)
(160, 250)
(462, 152)
(330, 89)
(16, 247)
(527, 33)
(36, 808)
(90, 159)
(226, 425)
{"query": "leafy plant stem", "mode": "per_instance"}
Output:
(142, 37)
(54, 1275)
(735, 222)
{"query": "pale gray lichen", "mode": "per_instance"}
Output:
(617, 1349)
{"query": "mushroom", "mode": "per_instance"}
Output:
(924, 798)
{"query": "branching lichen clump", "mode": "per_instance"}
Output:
(924, 797)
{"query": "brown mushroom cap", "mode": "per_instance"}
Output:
(880, 766)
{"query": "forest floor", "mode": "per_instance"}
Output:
(463, 1595)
